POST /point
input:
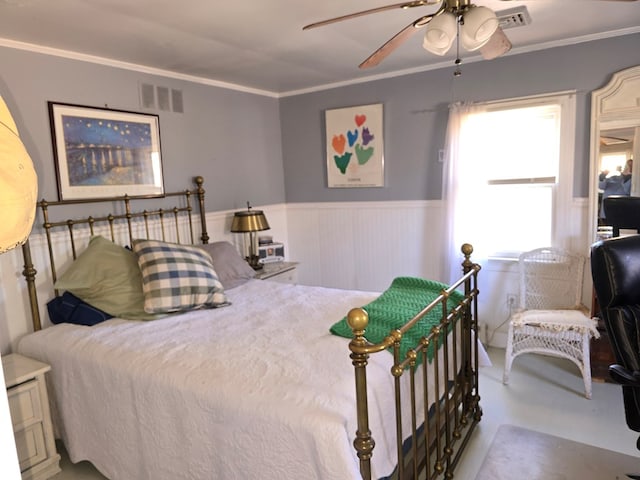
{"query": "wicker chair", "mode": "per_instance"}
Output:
(550, 319)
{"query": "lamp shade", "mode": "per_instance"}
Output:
(18, 184)
(249, 221)
(440, 34)
(479, 24)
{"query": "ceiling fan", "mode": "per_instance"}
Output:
(475, 28)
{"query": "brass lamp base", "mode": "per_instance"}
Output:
(253, 262)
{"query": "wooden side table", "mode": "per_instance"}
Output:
(30, 415)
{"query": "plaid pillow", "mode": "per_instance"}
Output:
(177, 278)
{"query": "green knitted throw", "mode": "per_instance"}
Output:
(402, 301)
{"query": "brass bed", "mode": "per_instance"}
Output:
(435, 395)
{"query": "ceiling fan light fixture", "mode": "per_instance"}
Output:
(440, 33)
(471, 45)
(478, 25)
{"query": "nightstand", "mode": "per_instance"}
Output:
(29, 406)
(283, 272)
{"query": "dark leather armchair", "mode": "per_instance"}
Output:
(615, 267)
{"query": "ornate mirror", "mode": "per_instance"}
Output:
(615, 139)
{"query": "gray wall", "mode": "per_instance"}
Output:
(415, 116)
(234, 139)
(231, 138)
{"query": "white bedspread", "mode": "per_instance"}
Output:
(256, 390)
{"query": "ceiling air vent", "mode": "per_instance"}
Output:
(513, 17)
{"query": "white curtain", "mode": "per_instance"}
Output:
(461, 178)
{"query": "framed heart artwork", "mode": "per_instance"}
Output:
(355, 147)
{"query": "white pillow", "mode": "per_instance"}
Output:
(232, 269)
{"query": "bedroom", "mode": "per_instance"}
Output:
(276, 171)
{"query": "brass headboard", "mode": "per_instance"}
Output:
(166, 223)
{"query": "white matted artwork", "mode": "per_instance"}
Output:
(355, 149)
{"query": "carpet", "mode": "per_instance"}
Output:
(517, 453)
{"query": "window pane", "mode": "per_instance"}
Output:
(521, 218)
(518, 143)
(614, 163)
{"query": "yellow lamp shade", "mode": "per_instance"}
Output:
(18, 184)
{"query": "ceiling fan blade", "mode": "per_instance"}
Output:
(394, 42)
(498, 45)
(403, 5)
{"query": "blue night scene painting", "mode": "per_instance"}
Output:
(107, 152)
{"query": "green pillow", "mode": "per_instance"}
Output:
(107, 276)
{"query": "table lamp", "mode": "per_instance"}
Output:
(250, 222)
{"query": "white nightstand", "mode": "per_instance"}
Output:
(29, 406)
(283, 272)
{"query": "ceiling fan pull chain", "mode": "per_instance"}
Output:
(458, 61)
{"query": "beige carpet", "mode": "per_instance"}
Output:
(520, 454)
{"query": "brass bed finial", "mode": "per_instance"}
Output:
(358, 319)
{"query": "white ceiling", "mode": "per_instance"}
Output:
(259, 44)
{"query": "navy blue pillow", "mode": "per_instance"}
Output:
(70, 309)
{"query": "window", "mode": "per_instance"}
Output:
(613, 162)
(517, 160)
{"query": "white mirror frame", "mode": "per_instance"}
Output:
(616, 105)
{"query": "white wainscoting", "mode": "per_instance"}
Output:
(364, 245)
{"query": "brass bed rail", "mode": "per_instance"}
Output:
(164, 222)
(437, 444)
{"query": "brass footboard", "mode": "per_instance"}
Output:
(448, 384)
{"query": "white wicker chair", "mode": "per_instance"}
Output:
(550, 319)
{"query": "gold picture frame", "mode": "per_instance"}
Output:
(101, 152)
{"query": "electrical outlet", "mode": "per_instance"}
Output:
(512, 299)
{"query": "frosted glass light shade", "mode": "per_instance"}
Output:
(480, 23)
(440, 34)
(18, 184)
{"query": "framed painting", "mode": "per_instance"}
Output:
(355, 147)
(100, 152)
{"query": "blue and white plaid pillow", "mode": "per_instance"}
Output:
(177, 278)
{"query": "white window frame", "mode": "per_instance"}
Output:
(563, 192)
